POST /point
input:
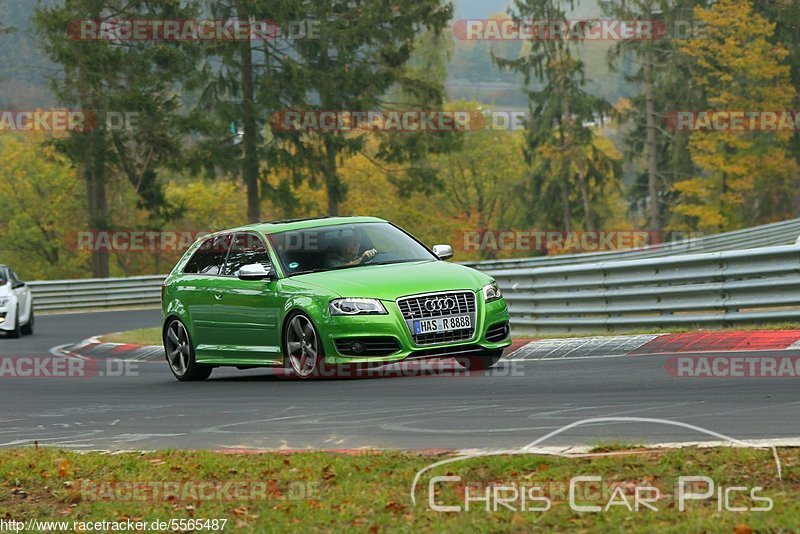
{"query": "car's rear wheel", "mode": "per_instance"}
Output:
(15, 333)
(180, 354)
(303, 347)
(481, 362)
(27, 328)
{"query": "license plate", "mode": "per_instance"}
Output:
(442, 324)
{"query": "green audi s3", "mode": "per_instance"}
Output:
(313, 294)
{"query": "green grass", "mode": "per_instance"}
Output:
(326, 492)
(140, 336)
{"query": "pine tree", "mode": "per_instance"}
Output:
(560, 133)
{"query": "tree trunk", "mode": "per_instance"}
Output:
(587, 211)
(333, 183)
(654, 209)
(565, 206)
(250, 136)
(92, 167)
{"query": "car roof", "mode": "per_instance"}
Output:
(274, 227)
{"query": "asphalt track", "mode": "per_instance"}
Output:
(257, 409)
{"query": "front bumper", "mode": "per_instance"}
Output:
(338, 333)
(7, 315)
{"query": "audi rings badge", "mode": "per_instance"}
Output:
(443, 304)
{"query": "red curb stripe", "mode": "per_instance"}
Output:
(720, 342)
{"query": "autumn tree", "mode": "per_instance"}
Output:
(746, 177)
(33, 234)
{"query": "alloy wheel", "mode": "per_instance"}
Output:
(178, 350)
(302, 346)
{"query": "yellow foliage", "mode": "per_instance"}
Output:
(740, 70)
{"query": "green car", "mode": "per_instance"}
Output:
(311, 295)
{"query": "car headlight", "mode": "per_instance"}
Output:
(357, 307)
(492, 292)
(3, 301)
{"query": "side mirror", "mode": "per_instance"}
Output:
(256, 271)
(17, 284)
(443, 252)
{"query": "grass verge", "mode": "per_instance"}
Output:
(326, 492)
(140, 336)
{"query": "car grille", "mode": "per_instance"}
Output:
(413, 308)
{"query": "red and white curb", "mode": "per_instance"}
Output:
(540, 349)
(94, 348)
(652, 344)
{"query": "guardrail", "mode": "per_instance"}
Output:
(705, 290)
(768, 235)
(96, 292)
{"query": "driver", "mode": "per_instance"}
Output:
(347, 251)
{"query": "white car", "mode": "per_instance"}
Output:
(16, 304)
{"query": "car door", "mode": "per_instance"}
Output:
(197, 290)
(247, 311)
(23, 294)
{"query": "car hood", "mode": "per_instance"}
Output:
(389, 282)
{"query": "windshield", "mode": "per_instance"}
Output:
(342, 247)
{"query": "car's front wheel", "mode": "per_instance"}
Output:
(27, 328)
(480, 362)
(180, 354)
(303, 347)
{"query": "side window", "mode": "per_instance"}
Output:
(210, 256)
(245, 250)
(12, 275)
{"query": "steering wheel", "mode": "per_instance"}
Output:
(385, 256)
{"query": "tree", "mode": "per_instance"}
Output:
(659, 71)
(746, 178)
(481, 179)
(130, 77)
(34, 235)
(561, 115)
(240, 83)
(358, 56)
(786, 16)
